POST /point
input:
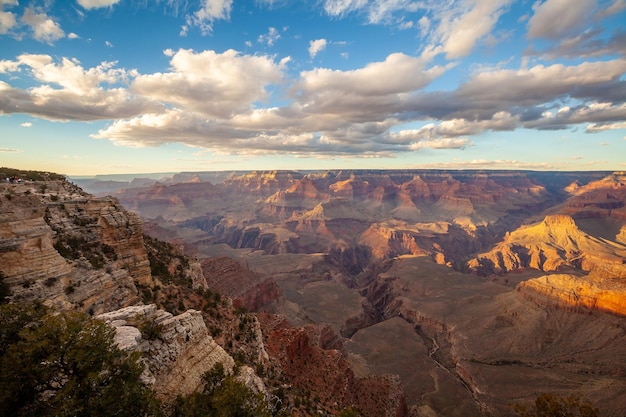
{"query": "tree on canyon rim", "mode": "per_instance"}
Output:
(60, 364)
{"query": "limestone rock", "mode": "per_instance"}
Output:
(69, 249)
(177, 356)
(576, 292)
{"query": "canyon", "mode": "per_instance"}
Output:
(477, 289)
(401, 293)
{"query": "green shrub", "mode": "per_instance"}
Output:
(66, 364)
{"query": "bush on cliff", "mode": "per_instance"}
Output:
(223, 396)
(66, 364)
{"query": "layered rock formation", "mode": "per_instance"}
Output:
(249, 290)
(177, 349)
(311, 362)
(552, 244)
(594, 251)
(547, 251)
(70, 249)
(290, 212)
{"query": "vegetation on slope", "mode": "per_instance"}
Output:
(29, 175)
(66, 364)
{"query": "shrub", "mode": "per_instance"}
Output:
(66, 364)
(150, 329)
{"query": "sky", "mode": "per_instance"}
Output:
(118, 86)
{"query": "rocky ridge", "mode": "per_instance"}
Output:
(178, 349)
(71, 250)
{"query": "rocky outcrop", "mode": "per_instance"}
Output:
(177, 349)
(228, 277)
(552, 244)
(570, 291)
(311, 368)
(27, 255)
(69, 249)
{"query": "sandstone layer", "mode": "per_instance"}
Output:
(177, 352)
(69, 249)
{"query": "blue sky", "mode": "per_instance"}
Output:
(119, 86)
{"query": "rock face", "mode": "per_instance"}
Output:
(177, 350)
(389, 212)
(474, 346)
(311, 365)
(577, 292)
(70, 249)
(226, 276)
(554, 243)
(557, 244)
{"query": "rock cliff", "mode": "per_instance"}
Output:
(552, 244)
(177, 349)
(70, 249)
(226, 276)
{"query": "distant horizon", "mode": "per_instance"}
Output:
(151, 175)
(96, 87)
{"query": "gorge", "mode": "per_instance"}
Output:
(399, 293)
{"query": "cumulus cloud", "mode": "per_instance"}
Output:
(26, 124)
(553, 19)
(589, 44)
(70, 92)
(213, 84)
(527, 90)
(96, 4)
(331, 112)
(316, 46)
(448, 134)
(44, 28)
(601, 127)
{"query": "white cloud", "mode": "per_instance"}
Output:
(341, 7)
(447, 143)
(424, 25)
(44, 28)
(449, 131)
(210, 11)
(213, 84)
(460, 29)
(317, 46)
(108, 44)
(70, 92)
(8, 66)
(601, 127)
(399, 73)
(489, 92)
(96, 4)
(72, 35)
(8, 150)
(270, 37)
(7, 22)
(26, 124)
(553, 19)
